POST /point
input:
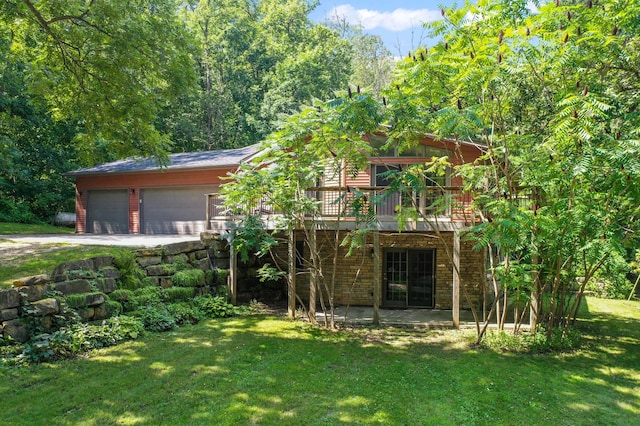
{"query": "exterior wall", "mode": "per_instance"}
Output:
(81, 211)
(134, 182)
(354, 274)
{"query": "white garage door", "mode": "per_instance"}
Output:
(174, 210)
(108, 212)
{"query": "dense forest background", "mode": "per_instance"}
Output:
(83, 82)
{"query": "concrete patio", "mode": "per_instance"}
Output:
(427, 318)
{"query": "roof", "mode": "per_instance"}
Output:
(181, 161)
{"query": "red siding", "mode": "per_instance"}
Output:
(134, 181)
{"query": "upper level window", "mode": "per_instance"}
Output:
(421, 151)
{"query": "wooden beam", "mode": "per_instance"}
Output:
(456, 280)
(377, 282)
(291, 281)
(313, 272)
(233, 275)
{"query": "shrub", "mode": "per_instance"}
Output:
(155, 318)
(49, 347)
(179, 294)
(131, 274)
(125, 327)
(189, 278)
(531, 342)
(185, 313)
(213, 307)
(76, 301)
(145, 296)
(121, 295)
(113, 307)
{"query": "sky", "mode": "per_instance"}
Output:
(398, 23)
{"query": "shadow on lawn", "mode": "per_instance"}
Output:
(267, 370)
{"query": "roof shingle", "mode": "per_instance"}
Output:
(181, 161)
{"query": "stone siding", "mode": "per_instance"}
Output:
(354, 274)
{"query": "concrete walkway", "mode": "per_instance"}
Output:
(428, 318)
(127, 240)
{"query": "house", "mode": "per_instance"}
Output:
(425, 265)
(137, 196)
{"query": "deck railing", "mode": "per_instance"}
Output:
(357, 203)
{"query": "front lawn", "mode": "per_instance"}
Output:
(9, 228)
(267, 370)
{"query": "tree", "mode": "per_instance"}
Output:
(255, 60)
(34, 152)
(319, 143)
(371, 62)
(108, 65)
(551, 94)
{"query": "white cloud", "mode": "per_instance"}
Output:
(398, 20)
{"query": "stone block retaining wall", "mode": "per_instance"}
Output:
(39, 299)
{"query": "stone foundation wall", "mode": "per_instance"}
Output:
(354, 274)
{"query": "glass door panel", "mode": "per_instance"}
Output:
(420, 278)
(395, 279)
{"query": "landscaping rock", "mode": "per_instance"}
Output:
(9, 298)
(102, 262)
(180, 257)
(34, 280)
(183, 247)
(110, 272)
(34, 292)
(165, 282)
(45, 307)
(94, 299)
(73, 287)
(15, 329)
(86, 264)
(200, 254)
(160, 270)
(149, 252)
(149, 260)
(100, 313)
(86, 314)
(221, 263)
(107, 285)
(202, 264)
(8, 314)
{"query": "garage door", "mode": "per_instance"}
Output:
(174, 210)
(108, 212)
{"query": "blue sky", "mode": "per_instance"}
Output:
(398, 23)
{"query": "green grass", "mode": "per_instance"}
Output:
(42, 258)
(7, 228)
(266, 370)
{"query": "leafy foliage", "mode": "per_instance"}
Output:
(188, 278)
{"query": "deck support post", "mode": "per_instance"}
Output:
(534, 307)
(377, 282)
(233, 275)
(291, 279)
(313, 273)
(456, 280)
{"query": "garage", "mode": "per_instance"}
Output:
(176, 210)
(108, 211)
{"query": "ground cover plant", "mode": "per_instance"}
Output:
(267, 370)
